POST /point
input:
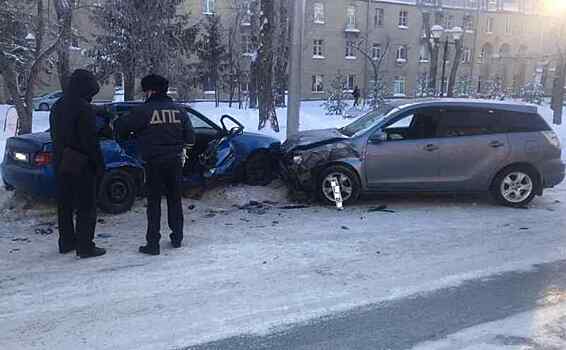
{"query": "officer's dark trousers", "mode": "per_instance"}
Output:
(77, 194)
(164, 175)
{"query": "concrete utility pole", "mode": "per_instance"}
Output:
(295, 66)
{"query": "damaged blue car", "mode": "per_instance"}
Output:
(222, 152)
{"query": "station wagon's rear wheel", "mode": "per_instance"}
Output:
(44, 107)
(346, 178)
(515, 186)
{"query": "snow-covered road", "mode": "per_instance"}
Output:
(248, 271)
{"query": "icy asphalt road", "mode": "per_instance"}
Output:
(257, 271)
(404, 323)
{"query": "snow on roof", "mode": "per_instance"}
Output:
(505, 105)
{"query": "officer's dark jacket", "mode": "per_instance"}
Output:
(162, 128)
(72, 121)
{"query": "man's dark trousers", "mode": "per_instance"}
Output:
(77, 194)
(164, 175)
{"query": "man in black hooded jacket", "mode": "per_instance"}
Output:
(73, 131)
(163, 129)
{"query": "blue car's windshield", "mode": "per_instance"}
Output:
(364, 122)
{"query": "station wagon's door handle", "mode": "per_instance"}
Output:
(496, 144)
(431, 148)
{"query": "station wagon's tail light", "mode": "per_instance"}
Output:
(43, 158)
(552, 138)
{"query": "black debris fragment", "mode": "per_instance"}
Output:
(43, 231)
(523, 228)
(101, 221)
(345, 228)
(210, 215)
(297, 206)
(191, 207)
(380, 208)
(103, 235)
(26, 240)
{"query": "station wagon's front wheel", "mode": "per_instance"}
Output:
(346, 178)
(515, 186)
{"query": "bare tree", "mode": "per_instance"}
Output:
(132, 32)
(281, 46)
(22, 55)
(559, 81)
(64, 10)
(377, 88)
(432, 49)
(265, 58)
(212, 54)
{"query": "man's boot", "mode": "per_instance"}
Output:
(92, 253)
(149, 249)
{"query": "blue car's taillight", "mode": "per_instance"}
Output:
(43, 158)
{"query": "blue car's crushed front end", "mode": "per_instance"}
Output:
(225, 158)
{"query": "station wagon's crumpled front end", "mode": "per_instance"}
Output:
(308, 152)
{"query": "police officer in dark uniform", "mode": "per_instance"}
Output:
(163, 130)
(78, 164)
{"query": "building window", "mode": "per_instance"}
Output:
(246, 45)
(351, 81)
(376, 51)
(423, 54)
(399, 86)
(402, 54)
(317, 83)
(403, 18)
(508, 28)
(350, 49)
(318, 48)
(490, 25)
(246, 13)
(208, 7)
(466, 55)
(378, 17)
(351, 17)
(468, 23)
(448, 21)
(319, 13)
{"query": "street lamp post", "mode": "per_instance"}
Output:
(295, 66)
(436, 33)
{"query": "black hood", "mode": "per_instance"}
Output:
(82, 84)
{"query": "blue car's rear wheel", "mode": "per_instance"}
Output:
(117, 192)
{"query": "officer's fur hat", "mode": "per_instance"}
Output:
(154, 82)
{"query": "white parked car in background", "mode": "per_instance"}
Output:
(45, 102)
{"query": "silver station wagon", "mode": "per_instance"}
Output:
(437, 145)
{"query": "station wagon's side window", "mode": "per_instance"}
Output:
(468, 122)
(524, 122)
(419, 124)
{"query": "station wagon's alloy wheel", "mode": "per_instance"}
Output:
(346, 178)
(43, 107)
(515, 186)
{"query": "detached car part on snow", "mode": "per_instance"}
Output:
(443, 145)
(219, 154)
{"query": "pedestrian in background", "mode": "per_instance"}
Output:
(163, 129)
(78, 164)
(356, 95)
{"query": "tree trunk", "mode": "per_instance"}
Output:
(253, 84)
(11, 81)
(558, 91)
(129, 74)
(64, 10)
(266, 103)
(433, 50)
(454, 68)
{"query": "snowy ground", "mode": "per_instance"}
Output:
(260, 267)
